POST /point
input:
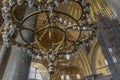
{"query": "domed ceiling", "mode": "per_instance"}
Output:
(77, 12)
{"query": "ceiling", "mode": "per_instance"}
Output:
(76, 12)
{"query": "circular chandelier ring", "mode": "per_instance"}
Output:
(58, 12)
(42, 28)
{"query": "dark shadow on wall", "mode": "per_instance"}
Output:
(1, 19)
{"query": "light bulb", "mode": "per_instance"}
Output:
(30, 3)
(20, 2)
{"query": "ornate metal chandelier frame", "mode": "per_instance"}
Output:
(13, 25)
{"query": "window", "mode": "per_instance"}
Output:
(35, 74)
(106, 62)
(110, 50)
(114, 59)
(67, 77)
(62, 77)
(38, 72)
(78, 76)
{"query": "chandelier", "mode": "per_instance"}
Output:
(57, 24)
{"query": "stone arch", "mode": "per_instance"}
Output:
(93, 56)
(42, 68)
(97, 55)
(85, 62)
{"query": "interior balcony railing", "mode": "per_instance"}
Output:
(97, 77)
(107, 77)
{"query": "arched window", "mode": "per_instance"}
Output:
(35, 74)
(38, 72)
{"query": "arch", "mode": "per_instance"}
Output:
(42, 68)
(97, 55)
(85, 62)
(93, 59)
(93, 56)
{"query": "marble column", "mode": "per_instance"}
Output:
(19, 62)
(4, 56)
(3, 51)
